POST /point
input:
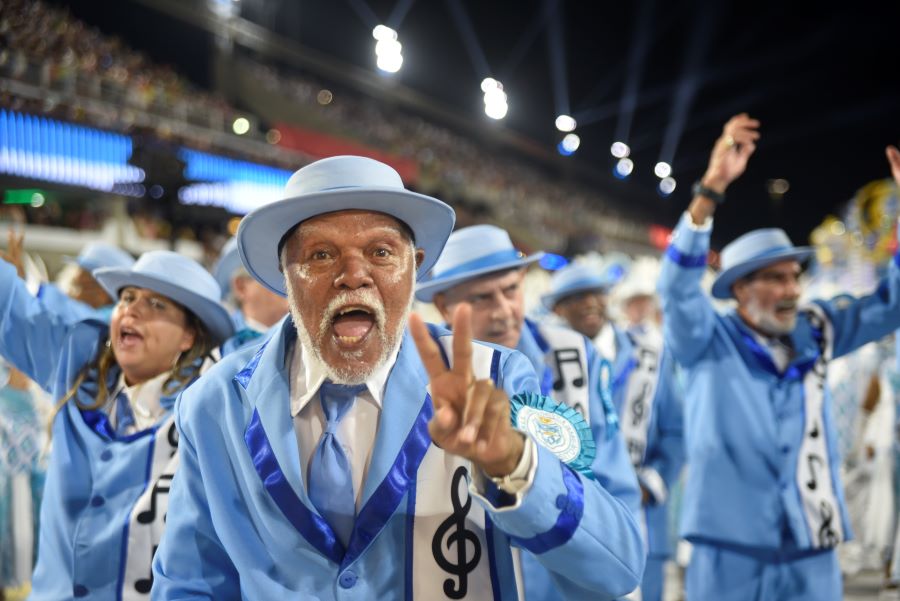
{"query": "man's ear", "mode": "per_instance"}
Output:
(420, 256)
(237, 287)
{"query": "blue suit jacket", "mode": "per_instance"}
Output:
(744, 424)
(246, 529)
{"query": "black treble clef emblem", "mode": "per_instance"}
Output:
(172, 437)
(454, 529)
(827, 536)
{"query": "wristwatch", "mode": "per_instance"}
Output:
(700, 190)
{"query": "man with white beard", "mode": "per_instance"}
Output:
(361, 454)
(763, 504)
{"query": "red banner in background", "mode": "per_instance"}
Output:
(321, 145)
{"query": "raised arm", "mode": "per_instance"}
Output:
(31, 337)
(689, 315)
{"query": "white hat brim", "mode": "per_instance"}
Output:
(425, 292)
(212, 314)
(261, 231)
(721, 287)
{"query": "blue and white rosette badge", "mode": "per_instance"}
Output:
(557, 427)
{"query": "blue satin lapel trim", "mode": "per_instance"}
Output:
(492, 557)
(377, 511)
(308, 523)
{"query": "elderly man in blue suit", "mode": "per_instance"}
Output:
(763, 502)
(358, 453)
(481, 268)
(646, 395)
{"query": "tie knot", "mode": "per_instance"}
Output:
(337, 398)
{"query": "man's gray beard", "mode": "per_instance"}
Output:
(767, 322)
(354, 372)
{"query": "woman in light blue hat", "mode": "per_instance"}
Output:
(113, 436)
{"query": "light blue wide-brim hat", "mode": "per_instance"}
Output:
(755, 250)
(472, 252)
(228, 262)
(574, 279)
(100, 254)
(179, 278)
(337, 184)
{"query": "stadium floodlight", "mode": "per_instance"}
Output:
(565, 123)
(388, 51)
(624, 167)
(571, 142)
(662, 169)
(495, 105)
(620, 150)
(667, 186)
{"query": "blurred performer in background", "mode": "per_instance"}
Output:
(481, 267)
(257, 307)
(647, 398)
(85, 296)
(114, 444)
(354, 456)
(763, 504)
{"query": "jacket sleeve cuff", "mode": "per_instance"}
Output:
(690, 243)
(548, 513)
(509, 496)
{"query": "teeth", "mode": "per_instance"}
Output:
(349, 339)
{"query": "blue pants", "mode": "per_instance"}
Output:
(717, 573)
(652, 583)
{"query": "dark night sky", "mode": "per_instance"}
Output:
(824, 82)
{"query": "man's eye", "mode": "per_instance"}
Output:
(382, 252)
(320, 255)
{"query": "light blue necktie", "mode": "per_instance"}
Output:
(330, 476)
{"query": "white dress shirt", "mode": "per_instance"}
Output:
(356, 430)
(143, 399)
(359, 426)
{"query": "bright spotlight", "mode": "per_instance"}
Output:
(495, 105)
(383, 32)
(565, 123)
(240, 126)
(37, 200)
(667, 186)
(488, 84)
(390, 63)
(620, 150)
(662, 169)
(571, 142)
(624, 167)
(388, 51)
(496, 110)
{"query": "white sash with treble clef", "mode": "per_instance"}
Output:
(568, 360)
(450, 554)
(148, 517)
(638, 404)
(814, 477)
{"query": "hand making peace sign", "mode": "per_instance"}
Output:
(471, 417)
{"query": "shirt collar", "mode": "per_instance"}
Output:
(307, 377)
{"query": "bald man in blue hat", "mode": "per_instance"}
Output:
(763, 505)
(480, 267)
(358, 453)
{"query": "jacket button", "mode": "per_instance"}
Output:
(347, 579)
(98, 501)
(562, 502)
(80, 590)
(106, 455)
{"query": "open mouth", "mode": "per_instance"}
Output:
(351, 324)
(129, 336)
